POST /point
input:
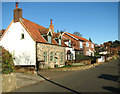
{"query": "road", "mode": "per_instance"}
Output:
(102, 78)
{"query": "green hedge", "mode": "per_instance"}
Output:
(83, 57)
(7, 62)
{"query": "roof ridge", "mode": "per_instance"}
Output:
(78, 36)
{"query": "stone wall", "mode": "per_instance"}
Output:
(41, 48)
(8, 82)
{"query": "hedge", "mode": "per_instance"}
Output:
(83, 57)
(7, 62)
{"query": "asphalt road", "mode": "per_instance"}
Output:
(102, 78)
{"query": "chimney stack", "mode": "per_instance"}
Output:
(51, 26)
(17, 13)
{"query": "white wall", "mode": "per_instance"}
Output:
(89, 53)
(102, 59)
(22, 49)
(67, 42)
(72, 51)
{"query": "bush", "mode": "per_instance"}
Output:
(83, 57)
(7, 62)
(67, 62)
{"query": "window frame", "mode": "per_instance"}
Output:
(87, 44)
(81, 46)
(22, 36)
(45, 56)
(49, 39)
(51, 56)
(61, 56)
(60, 41)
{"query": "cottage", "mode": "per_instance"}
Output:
(32, 44)
(78, 44)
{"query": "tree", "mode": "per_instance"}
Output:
(116, 43)
(77, 33)
(90, 39)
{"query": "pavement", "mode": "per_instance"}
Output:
(101, 78)
(25, 79)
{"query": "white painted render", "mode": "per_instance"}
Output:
(67, 43)
(104, 52)
(102, 59)
(90, 52)
(72, 51)
(22, 49)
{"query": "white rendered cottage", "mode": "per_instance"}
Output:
(29, 42)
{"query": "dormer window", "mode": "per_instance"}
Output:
(49, 39)
(59, 41)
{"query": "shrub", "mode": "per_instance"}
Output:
(67, 62)
(7, 62)
(83, 57)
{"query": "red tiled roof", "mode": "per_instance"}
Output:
(33, 29)
(36, 31)
(2, 31)
(63, 44)
(54, 42)
(56, 35)
(78, 37)
(44, 31)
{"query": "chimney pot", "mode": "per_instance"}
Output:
(51, 26)
(51, 21)
(16, 5)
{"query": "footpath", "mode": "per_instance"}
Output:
(25, 79)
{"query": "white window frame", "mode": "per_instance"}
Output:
(81, 44)
(92, 46)
(59, 41)
(87, 44)
(49, 37)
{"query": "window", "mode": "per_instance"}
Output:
(70, 56)
(92, 45)
(49, 39)
(87, 44)
(45, 56)
(81, 44)
(61, 56)
(69, 43)
(51, 56)
(87, 53)
(59, 41)
(22, 36)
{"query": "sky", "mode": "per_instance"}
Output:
(95, 20)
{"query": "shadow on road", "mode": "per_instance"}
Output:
(112, 89)
(109, 77)
(58, 84)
